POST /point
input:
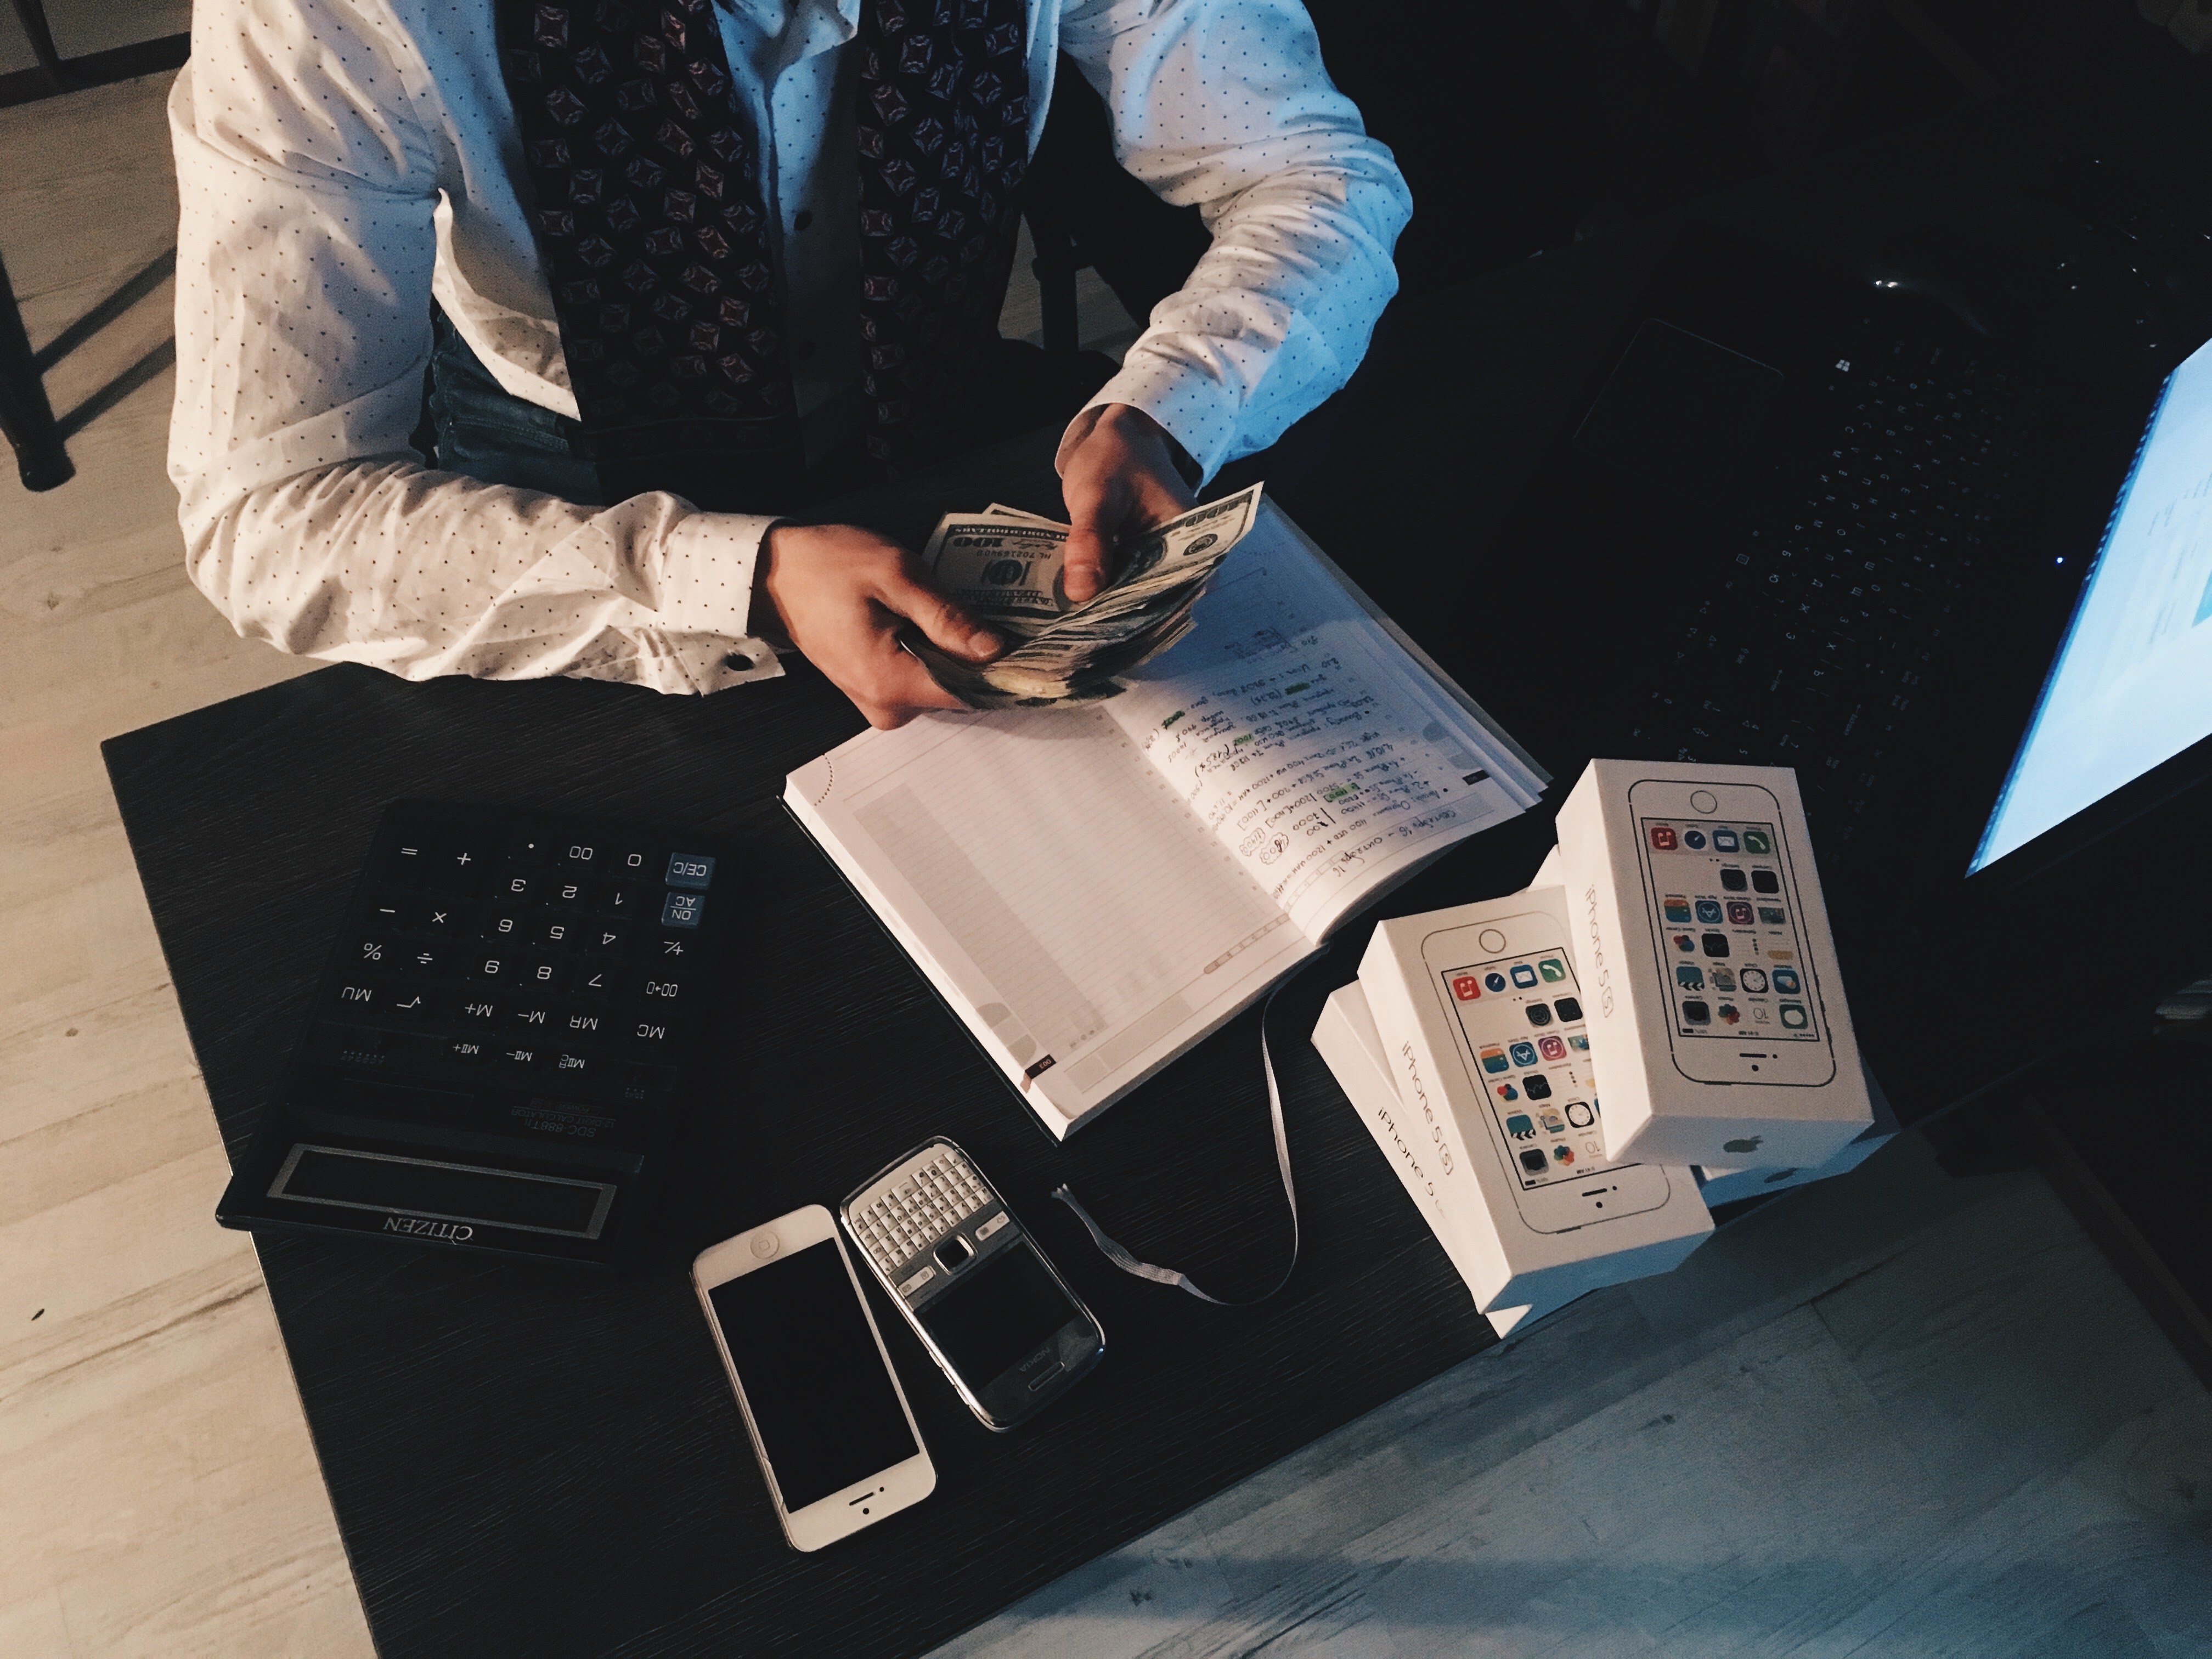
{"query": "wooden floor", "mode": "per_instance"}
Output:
(1902, 1414)
(1899, 1415)
(158, 1494)
(87, 26)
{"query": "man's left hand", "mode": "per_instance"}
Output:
(1117, 477)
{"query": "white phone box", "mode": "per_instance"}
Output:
(1717, 1013)
(1525, 1240)
(1719, 1185)
(1346, 1036)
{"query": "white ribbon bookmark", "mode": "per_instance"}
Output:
(1127, 1263)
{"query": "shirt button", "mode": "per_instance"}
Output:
(802, 219)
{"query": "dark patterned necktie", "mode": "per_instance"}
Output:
(944, 109)
(650, 223)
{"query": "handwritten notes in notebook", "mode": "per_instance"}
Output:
(1094, 888)
(1300, 745)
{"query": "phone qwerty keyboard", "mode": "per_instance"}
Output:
(921, 1210)
(529, 955)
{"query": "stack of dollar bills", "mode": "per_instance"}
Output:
(1005, 567)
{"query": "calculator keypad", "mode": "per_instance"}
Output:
(919, 1212)
(536, 959)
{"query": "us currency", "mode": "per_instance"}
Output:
(1008, 568)
(1006, 571)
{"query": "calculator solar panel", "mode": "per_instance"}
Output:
(502, 1044)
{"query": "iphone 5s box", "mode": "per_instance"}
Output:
(1347, 1040)
(1496, 1127)
(1716, 1006)
(1345, 1035)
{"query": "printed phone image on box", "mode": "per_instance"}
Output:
(1519, 1017)
(1726, 913)
(1482, 1016)
(1718, 1005)
(1346, 1038)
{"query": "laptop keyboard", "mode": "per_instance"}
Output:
(1810, 647)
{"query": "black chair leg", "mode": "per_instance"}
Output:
(31, 13)
(26, 419)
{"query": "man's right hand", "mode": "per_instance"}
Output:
(843, 594)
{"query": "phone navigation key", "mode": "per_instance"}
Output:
(1047, 1377)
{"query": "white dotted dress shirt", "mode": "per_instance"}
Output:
(340, 162)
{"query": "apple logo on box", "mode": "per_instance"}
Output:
(1748, 1145)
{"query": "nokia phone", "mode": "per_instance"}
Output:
(821, 1402)
(998, 1320)
(1510, 986)
(1727, 923)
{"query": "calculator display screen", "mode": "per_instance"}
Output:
(1000, 1313)
(821, 1399)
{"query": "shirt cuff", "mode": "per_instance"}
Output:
(705, 594)
(1192, 406)
(705, 581)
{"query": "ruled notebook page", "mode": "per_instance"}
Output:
(1047, 878)
(1295, 727)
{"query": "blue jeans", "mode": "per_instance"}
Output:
(486, 432)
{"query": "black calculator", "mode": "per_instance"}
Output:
(502, 1045)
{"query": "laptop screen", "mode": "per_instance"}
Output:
(2132, 682)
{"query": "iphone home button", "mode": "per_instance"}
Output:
(1491, 939)
(766, 1244)
(1704, 801)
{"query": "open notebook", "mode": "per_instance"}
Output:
(1094, 888)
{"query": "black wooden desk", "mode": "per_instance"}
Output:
(526, 1459)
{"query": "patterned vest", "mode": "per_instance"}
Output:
(650, 222)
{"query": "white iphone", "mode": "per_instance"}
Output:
(1510, 986)
(823, 1405)
(1720, 877)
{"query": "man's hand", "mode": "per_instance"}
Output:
(1117, 477)
(843, 594)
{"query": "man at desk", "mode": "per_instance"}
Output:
(683, 255)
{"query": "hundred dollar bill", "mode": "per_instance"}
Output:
(1008, 568)
(1007, 571)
